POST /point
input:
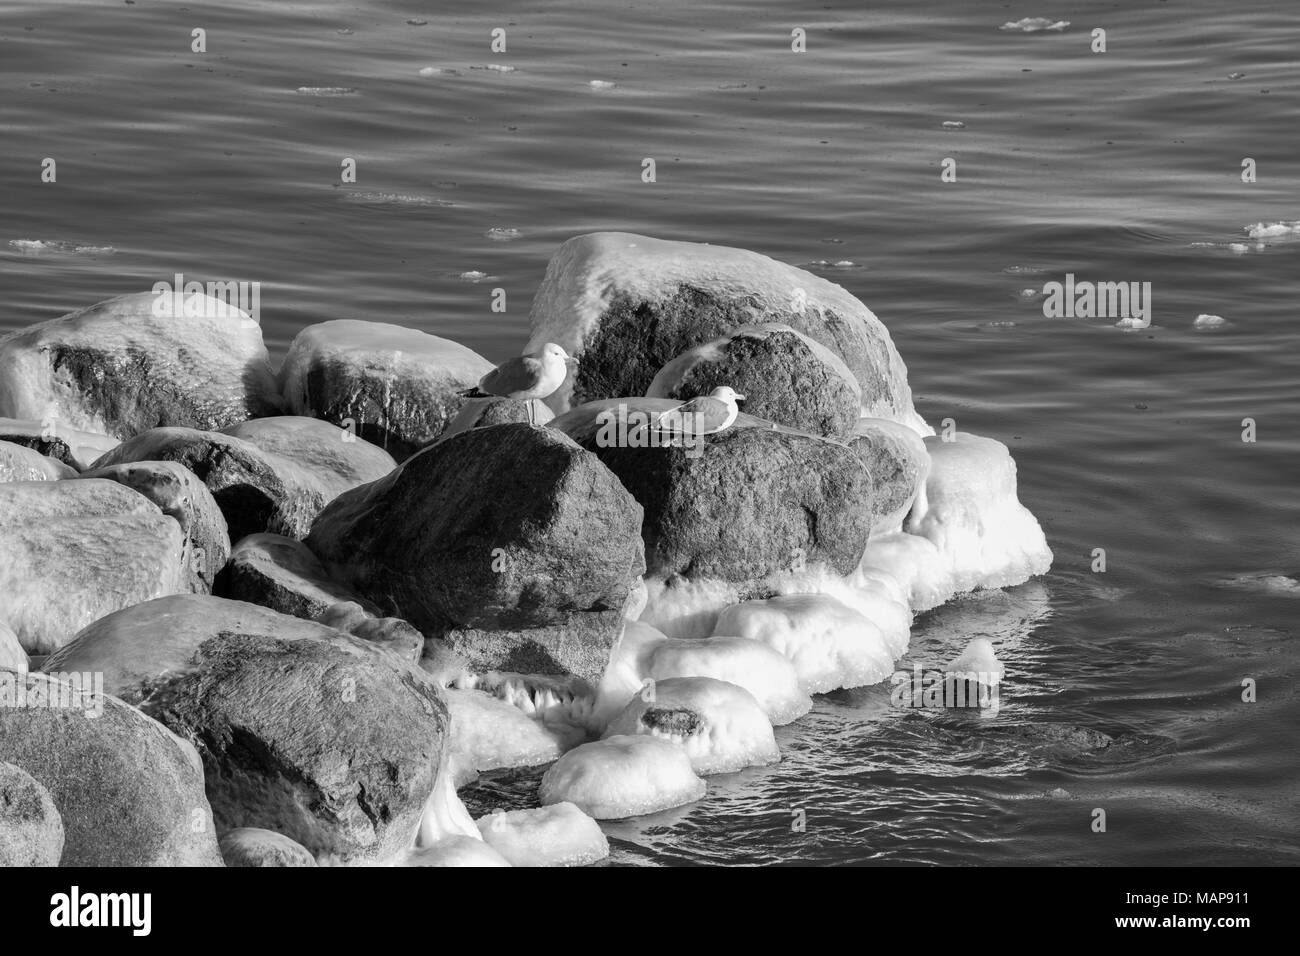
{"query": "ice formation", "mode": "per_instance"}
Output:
(978, 659)
(557, 835)
(766, 674)
(721, 726)
(488, 733)
(455, 851)
(624, 776)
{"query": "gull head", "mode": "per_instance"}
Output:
(726, 394)
(552, 351)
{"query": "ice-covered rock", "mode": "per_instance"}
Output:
(721, 726)
(19, 463)
(12, 655)
(73, 551)
(395, 386)
(830, 644)
(895, 457)
(785, 376)
(626, 305)
(767, 674)
(282, 574)
(274, 474)
(558, 835)
(911, 561)
(179, 493)
(620, 777)
(130, 792)
(31, 830)
(54, 439)
(137, 362)
(253, 846)
(627, 672)
(303, 729)
(488, 733)
(455, 851)
(511, 541)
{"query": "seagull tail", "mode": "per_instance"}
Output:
(474, 392)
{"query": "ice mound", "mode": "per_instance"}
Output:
(627, 672)
(830, 644)
(1274, 230)
(488, 734)
(621, 777)
(765, 673)
(445, 817)
(970, 512)
(721, 726)
(685, 608)
(978, 659)
(1207, 321)
(913, 564)
(455, 851)
(558, 835)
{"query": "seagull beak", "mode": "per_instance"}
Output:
(740, 398)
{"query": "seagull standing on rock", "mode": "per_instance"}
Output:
(703, 415)
(525, 377)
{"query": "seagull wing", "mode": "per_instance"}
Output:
(516, 375)
(704, 414)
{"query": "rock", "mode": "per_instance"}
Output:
(391, 633)
(53, 439)
(303, 729)
(18, 463)
(129, 792)
(511, 541)
(12, 655)
(73, 551)
(897, 461)
(136, 362)
(749, 503)
(250, 846)
(396, 386)
(179, 493)
(481, 412)
(263, 488)
(31, 830)
(785, 376)
(625, 305)
(282, 574)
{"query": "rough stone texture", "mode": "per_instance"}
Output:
(31, 830)
(129, 792)
(250, 846)
(179, 493)
(19, 463)
(303, 729)
(896, 458)
(509, 529)
(625, 305)
(282, 574)
(73, 551)
(397, 386)
(390, 633)
(481, 412)
(12, 655)
(54, 439)
(751, 502)
(118, 368)
(263, 488)
(785, 376)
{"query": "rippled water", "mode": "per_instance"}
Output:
(1122, 166)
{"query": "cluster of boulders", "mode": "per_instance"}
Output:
(307, 601)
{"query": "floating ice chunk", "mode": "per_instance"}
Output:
(1264, 583)
(621, 777)
(978, 662)
(627, 672)
(430, 70)
(325, 90)
(36, 247)
(970, 512)
(455, 851)
(830, 645)
(1035, 25)
(488, 734)
(1207, 321)
(495, 67)
(558, 835)
(473, 275)
(721, 726)
(602, 85)
(953, 124)
(1274, 230)
(1133, 322)
(765, 673)
(502, 234)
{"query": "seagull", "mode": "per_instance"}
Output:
(703, 415)
(525, 377)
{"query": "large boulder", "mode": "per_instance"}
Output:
(271, 475)
(625, 305)
(179, 493)
(282, 574)
(54, 439)
(73, 551)
(129, 792)
(745, 504)
(785, 376)
(511, 541)
(136, 362)
(303, 729)
(895, 457)
(20, 463)
(395, 386)
(31, 830)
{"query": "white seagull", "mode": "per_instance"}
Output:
(703, 415)
(525, 377)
